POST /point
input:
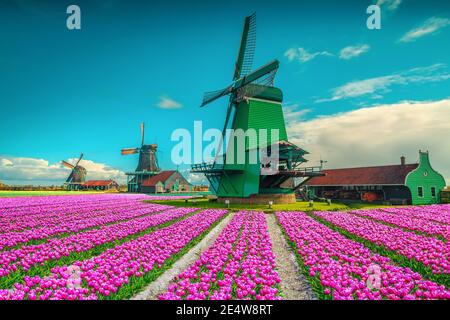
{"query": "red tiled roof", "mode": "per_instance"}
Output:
(381, 175)
(162, 176)
(98, 183)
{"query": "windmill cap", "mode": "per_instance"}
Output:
(266, 92)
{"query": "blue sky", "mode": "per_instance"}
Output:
(64, 92)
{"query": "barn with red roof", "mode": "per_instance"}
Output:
(166, 181)
(416, 183)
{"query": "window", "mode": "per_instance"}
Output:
(433, 192)
(420, 192)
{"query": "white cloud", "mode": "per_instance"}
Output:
(430, 26)
(353, 51)
(378, 135)
(389, 4)
(165, 102)
(293, 113)
(23, 170)
(194, 178)
(301, 55)
(380, 85)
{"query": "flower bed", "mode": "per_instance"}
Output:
(239, 265)
(432, 253)
(409, 220)
(32, 255)
(435, 213)
(126, 267)
(41, 226)
(339, 268)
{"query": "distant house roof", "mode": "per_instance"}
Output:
(98, 183)
(381, 175)
(163, 176)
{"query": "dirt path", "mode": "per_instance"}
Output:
(154, 289)
(293, 283)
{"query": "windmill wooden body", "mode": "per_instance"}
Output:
(254, 104)
(147, 164)
(76, 177)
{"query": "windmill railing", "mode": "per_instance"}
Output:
(205, 167)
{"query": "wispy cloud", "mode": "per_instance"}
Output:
(23, 170)
(389, 4)
(429, 27)
(293, 112)
(302, 55)
(353, 51)
(166, 102)
(380, 85)
(402, 129)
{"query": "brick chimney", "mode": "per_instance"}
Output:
(402, 160)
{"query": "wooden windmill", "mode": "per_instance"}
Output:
(254, 104)
(147, 164)
(77, 176)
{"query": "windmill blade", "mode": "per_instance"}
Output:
(209, 97)
(70, 177)
(81, 156)
(142, 134)
(67, 165)
(262, 72)
(258, 86)
(246, 51)
(129, 151)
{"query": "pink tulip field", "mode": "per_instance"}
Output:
(239, 265)
(340, 268)
(113, 246)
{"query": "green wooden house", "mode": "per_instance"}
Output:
(416, 183)
(425, 183)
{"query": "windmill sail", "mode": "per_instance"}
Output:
(67, 165)
(246, 51)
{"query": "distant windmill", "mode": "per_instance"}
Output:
(147, 154)
(77, 176)
(147, 165)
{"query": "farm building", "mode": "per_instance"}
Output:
(166, 181)
(416, 183)
(100, 185)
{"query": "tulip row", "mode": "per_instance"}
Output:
(32, 255)
(15, 203)
(431, 252)
(435, 213)
(239, 265)
(409, 222)
(118, 269)
(342, 269)
(50, 229)
(22, 219)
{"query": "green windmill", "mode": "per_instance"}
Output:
(244, 173)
